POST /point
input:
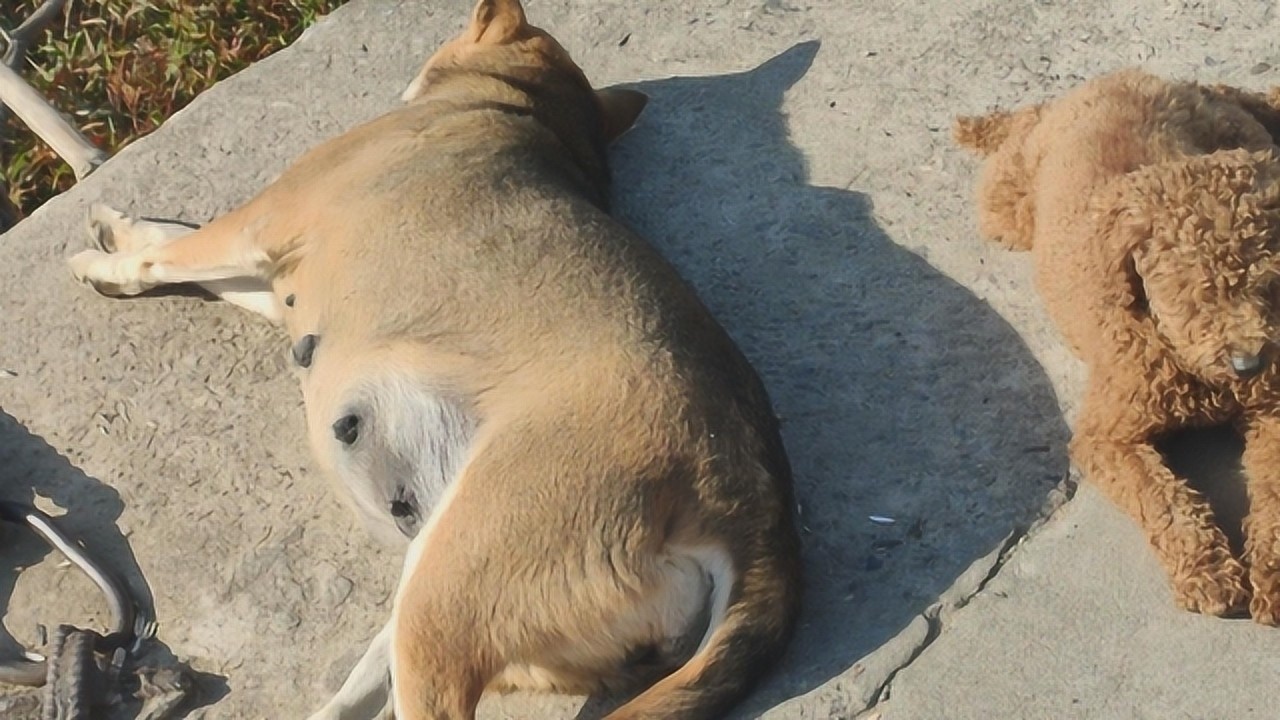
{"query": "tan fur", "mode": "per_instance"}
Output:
(1153, 212)
(588, 467)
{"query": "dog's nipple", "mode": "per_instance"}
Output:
(304, 349)
(347, 429)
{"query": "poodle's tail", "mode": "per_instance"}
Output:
(983, 134)
(1005, 200)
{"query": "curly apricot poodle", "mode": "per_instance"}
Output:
(1152, 209)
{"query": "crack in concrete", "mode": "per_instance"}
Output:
(967, 587)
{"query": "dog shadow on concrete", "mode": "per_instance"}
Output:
(30, 468)
(902, 395)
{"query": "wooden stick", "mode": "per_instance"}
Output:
(46, 122)
(25, 36)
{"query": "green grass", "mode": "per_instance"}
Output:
(119, 68)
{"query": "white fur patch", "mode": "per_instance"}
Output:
(413, 438)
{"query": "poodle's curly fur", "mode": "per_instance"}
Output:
(1152, 209)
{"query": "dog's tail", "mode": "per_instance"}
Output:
(983, 134)
(753, 615)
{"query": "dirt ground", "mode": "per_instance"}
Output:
(795, 163)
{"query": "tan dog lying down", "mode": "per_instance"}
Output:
(589, 470)
(1153, 212)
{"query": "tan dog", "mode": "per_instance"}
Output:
(1153, 211)
(589, 469)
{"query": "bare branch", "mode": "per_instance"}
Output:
(45, 121)
(25, 36)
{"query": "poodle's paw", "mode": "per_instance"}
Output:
(1262, 552)
(1216, 588)
(1265, 606)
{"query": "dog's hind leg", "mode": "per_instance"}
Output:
(1262, 526)
(227, 249)
(366, 694)
(112, 231)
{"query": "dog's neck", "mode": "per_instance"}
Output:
(563, 105)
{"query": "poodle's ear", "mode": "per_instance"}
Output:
(984, 134)
(1122, 214)
(1148, 214)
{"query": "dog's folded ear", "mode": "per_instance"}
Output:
(1264, 107)
(619, 109)
(1226, 199)
(497, 22)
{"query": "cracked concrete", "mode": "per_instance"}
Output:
(795, 163)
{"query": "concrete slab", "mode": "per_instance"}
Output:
(795, 163)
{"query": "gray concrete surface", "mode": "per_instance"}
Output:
(795, 163)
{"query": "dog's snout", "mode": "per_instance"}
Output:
(1246, 364)
(346, 429)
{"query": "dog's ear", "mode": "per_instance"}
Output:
(619, 109)
(1122, 212)
(497, 22)
(1221, 199)
(1264, 107)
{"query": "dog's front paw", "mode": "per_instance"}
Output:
(109, 274)
(1217, 588)
(1265, 579)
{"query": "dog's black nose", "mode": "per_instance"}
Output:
(304, 349)
(1245, 364)
(346, 429)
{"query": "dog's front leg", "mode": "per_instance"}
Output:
(1262, 526)
(366, 694)
(1111, 447)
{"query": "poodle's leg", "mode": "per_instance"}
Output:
(1177, 520)
(1262, 526)
(1006, 211)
